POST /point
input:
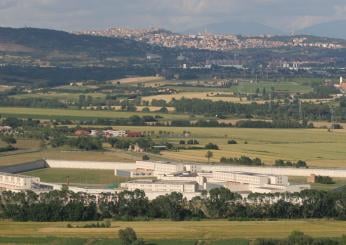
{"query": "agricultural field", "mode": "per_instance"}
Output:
(187, 230)
(78, 176)
(60, 96)
(299, 85)
(138, 80)
(108, 241)
(214, 96)
(285, 86)
(42, 113)
(318, 147)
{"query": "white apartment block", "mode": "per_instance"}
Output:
(12, 182)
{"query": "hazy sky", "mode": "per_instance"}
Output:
(177, 15)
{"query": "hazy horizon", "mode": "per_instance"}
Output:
(177, 15)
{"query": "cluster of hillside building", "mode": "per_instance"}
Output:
(210, 41)
(110, 133)
(161, 178)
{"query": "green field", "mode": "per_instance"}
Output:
(339, 182)
(40, 113)
(78, 176)
(56, 154)
(297, 85)
(70, 97)
(188, 230)
(318, 147)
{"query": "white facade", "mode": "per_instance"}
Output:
(160, 167)
(160, 186)
(140, 173)
(336, 173)
(243, 178)
(193, 168)
(90, 165)
(18, 182)
(114, 133)
(199, 179)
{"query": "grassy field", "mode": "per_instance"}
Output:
(318, 147)
(78, 176)
(39, 113)
(168, 230)
(339, 182)
(56, 154)
(107, 241)
(285, 86)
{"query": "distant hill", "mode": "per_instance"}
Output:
(236, 27)
(34, 40)
(335, 29)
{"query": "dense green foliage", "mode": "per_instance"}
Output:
(243, 160)
(127, 205)
(299, 238)
(324, 180)
(283, 163)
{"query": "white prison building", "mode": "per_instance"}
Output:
(250, 178)
(160, 167)
(18, 182)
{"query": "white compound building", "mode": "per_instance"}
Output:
(16, 182)
(155, 188)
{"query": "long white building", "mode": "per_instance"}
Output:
(14, 182)
(155, 188)
(160, 167)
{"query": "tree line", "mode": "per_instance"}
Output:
(219, 203)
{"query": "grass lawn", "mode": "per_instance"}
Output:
(77, 176)
(318, 147)
(188, 230)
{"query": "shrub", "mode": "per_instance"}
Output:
(232, 142)
(211, 146)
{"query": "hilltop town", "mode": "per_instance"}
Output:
(215, 42)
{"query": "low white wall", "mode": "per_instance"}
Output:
(278, 171)
(341, 173)
(90, 165)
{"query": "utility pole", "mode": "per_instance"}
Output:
(301, 116)
(332, 118)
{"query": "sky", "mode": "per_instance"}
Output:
(175, 15)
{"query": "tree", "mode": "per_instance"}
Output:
(209, 155)
(127, 236)
(9, 139)
(212, 146)
(145, 158)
